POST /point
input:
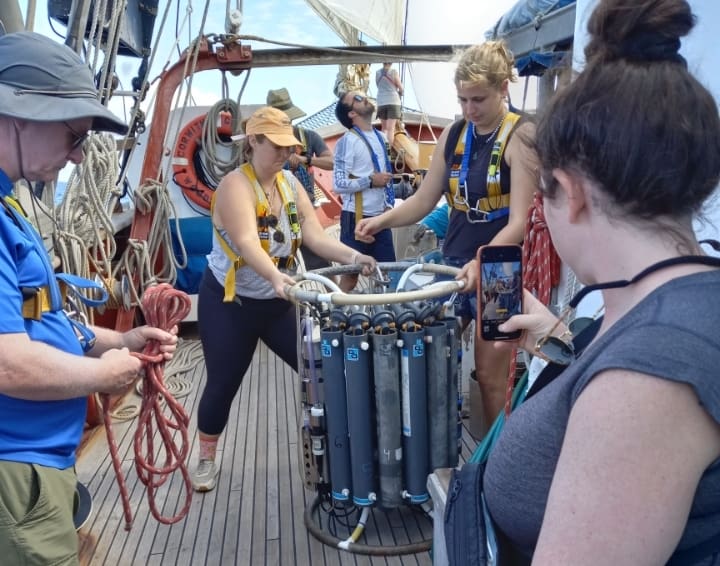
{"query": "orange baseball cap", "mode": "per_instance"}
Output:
(274, 124)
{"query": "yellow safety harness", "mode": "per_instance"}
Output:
(496, 204)
(262, 212)
(36, 300)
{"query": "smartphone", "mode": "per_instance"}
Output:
(499, 290)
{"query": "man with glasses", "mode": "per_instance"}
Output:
(362, 177)
(48, 103)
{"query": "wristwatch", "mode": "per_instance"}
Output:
(370, 179)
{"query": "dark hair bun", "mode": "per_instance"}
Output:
(638, 31)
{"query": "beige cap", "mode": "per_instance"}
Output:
(274, 124)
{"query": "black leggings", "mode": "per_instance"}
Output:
(229, 333)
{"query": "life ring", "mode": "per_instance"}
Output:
(183, 159)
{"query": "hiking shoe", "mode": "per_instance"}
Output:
(204, 477)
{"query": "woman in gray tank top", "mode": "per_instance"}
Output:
(259, 218)
(617, 460)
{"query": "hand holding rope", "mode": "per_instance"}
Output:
(163, 307)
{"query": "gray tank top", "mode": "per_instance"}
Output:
(247, 282)
(672, 334)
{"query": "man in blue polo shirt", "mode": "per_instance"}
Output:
(48, 103)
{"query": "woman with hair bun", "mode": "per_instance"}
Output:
(617, 460)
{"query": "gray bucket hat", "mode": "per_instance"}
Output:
(45, 81)
(281, 100)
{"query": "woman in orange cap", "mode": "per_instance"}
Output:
(260, 215)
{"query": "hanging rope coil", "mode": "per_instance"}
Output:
(163, 307)
(84, 232)
(216, 163)
(142, 257)
(542, 264)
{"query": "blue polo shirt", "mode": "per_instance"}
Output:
(40, 432)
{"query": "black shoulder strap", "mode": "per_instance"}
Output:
(551, 371)
(451, 140)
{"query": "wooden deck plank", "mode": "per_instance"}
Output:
(104, 488)
(178, 546)
(240, 545)
(290, 553)
(188, 536)
(226, 514)
(257, 523)
(164, 536)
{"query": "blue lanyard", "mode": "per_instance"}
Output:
(6, 185)
(465, 165)
(389, 192)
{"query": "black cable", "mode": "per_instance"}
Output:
(358, 548)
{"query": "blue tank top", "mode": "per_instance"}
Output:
(463, 238)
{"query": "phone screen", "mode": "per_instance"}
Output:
(500, 290)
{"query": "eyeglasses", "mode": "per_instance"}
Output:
(78, 138)
(560, 349)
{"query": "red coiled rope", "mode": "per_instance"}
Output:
(163, 307)
(541, 270)
(542, 264)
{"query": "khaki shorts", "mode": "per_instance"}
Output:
(36, 515)
(389, 112)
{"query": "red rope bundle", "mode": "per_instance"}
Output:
(163, 307)
(542, 264)
(541, 270)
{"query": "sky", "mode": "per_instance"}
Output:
(292, 21)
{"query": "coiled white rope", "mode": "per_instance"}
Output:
(84, 232)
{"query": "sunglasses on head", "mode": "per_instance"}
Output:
(359, 98)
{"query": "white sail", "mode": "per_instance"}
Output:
(454, 22)
(382, 20)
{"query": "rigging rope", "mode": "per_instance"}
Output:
(163, 307)
(84, 231)
(216, 167)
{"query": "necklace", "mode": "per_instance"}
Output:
(492, 134)
(271, 197)
(486, 141)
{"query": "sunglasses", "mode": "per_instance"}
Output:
(560, 349)
(271, 221)
(78, 138)
(359, 98)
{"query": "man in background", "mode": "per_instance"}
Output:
(362, 176)
(313, 153)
